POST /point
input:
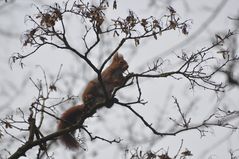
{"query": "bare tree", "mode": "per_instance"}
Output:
(199, 68)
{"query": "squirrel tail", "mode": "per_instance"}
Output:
(68, 118)
(69, 141)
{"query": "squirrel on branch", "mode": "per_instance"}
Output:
(94, 93)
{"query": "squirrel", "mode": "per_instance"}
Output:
(112, 78)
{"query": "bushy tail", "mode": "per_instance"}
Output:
(69, 141)
(68, 118)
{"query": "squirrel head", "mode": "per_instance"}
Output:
(119, 62)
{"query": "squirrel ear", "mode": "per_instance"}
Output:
(116, 56)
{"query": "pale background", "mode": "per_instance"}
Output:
(17, 91)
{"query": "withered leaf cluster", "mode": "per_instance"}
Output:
(50, 18)
(134, 27)
(161, 154)
(95, 14)
(47, 21)
(133, 24)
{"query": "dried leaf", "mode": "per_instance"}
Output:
(155, 35)
(218, 37)
(187, 153)
(156, 24)
(172, 24)
(136, 41)
(115, 33)
(171, 9)
(43, 39)
(144, 22)
(8, 125)
(164, 156)
(53, 88)
(184, 30)
(32, 32)
(115, 5)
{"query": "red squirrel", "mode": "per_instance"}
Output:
(112, 77)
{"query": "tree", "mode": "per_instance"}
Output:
(201, 69)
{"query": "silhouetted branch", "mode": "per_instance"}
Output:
(50, 29)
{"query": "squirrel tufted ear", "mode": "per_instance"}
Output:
(117, 56)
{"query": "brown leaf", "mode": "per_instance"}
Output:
(184, 30)
(173, 24)
(8, 125)
(144, 22)
(136, 41)
(171, 9)
(155, 35)
(187, 153)
(53, 88)
(217, 36)
(115, 5)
